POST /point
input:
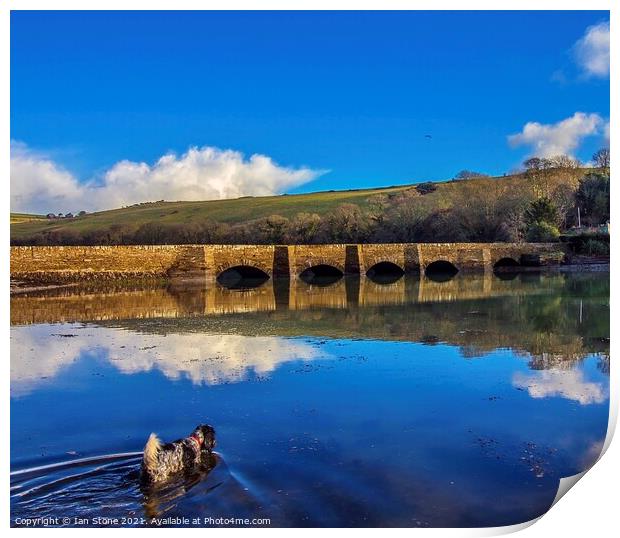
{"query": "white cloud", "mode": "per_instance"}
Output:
(561, 138)
(568, 384)
(40, 185)
(591, 52)
(606, 135)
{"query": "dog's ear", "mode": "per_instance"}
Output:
(209, 435)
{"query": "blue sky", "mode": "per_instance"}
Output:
(347, 97)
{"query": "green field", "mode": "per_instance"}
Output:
(232, 210)
(19, 218)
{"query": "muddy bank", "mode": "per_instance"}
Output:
(39, 284)
(20, 286)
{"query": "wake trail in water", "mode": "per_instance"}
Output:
(109, 483)
(74, 463)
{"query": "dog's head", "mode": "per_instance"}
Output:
(207, 434)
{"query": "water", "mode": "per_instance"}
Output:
(412, 403)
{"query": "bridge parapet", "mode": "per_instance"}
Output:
(219, 258)
(373, 254)
(483, 256)
(464, 256)
(345, 258)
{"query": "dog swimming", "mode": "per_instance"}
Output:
(162, 461)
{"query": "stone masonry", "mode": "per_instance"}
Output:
(75, 264)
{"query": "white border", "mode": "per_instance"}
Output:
(589, 508)
(453, 5)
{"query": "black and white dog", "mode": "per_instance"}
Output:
(162, 461)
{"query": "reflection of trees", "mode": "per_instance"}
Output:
(603, 363)
(478, 326)
(543, 315)
(555, 319)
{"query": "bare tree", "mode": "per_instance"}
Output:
(304, 228)
(601, 158)
(565, 162)
(568, 167)
(347, 223)
(535, 164)
(538, 170)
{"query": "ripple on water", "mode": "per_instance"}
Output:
(108, 486)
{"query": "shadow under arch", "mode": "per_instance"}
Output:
(242, 277)
(385, 273)
(321, 275)
(441, 271)
(506, 268)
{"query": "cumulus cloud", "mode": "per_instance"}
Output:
(591, 52)
(606, 135)
(561, 138)
(38, 184)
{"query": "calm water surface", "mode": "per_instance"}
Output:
(409, 403)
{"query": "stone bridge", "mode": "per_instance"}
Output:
(294, 260)
(70, 264)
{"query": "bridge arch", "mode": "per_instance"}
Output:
(506, 263)
(441, 270)
(321, 274)
(385, 272)
(321, 261)
(242, 276)
(506, 268)
(221, 258)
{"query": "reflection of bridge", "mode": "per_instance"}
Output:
(182, 300)
(211, 261)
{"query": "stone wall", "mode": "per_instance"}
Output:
(371, 255)
(483, 256)
(219, 258)
(75, 264)
(71, 264)
(302, 257)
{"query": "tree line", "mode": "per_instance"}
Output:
(545, 201)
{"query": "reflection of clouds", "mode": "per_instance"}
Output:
(37, 356)
(202, 358)
(569, 384)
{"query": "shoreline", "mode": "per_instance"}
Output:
(585, 268)
(18, 287)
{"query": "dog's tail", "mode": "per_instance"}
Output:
(151, 449)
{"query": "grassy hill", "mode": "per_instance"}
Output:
(19, 218)
(232, 210)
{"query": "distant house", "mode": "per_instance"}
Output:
(69, 216)
(51, 216)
